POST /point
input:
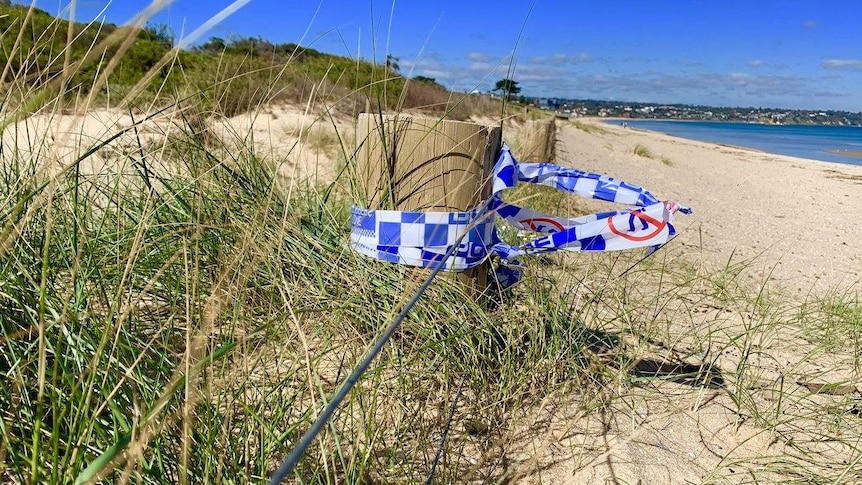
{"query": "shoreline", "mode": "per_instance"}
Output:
(850, 155)
(671, 120)
(791, 216)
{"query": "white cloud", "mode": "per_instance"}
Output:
(554, 75)
(454, 75)
(437, 74)
(481, 66)
(733, 89)
(810, 24)
(846, 64)
(478, 57)
(562, 59)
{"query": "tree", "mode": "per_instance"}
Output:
(214, 46)
(160, 33)
(426, 80)
(392, 63)
(507, 87)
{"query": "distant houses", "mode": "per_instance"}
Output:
(612, 109)
(573, 108)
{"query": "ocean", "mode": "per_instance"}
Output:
(805, 141)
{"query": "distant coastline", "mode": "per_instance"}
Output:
(690, 120)
(837, 144)
(667, 112)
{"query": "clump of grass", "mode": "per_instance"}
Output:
(590, 128)
(643, 151)
(838, 319)
(321, 138)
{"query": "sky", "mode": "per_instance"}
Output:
(759, 53)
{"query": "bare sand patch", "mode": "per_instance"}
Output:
(304, 145)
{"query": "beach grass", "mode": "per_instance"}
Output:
(179, 312)
(589, 128)
(643, 151)
(158, 328)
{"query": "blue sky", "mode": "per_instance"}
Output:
(794, 54)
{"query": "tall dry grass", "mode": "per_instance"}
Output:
(179, 312)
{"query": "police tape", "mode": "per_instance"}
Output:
(425, 238)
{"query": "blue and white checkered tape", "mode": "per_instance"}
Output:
(424, 238)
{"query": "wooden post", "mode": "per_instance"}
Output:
(426, 164)
(540, 137)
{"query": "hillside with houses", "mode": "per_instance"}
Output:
(617, 109)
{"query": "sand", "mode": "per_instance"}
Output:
(797, 219)
(303, 145)
(794, 219)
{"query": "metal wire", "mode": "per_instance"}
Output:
(445, 431)
(306, 440)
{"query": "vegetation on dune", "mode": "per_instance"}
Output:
(644, 151)
(228, 75)
(589, 128)
(38, 49)
(178, 312)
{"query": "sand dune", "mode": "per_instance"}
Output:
(303, 145)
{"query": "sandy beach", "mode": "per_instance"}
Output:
(793, 222)
(797, 219)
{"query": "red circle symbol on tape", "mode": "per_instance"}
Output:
(659, 227)
(537, 223)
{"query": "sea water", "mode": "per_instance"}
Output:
(805, 141)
